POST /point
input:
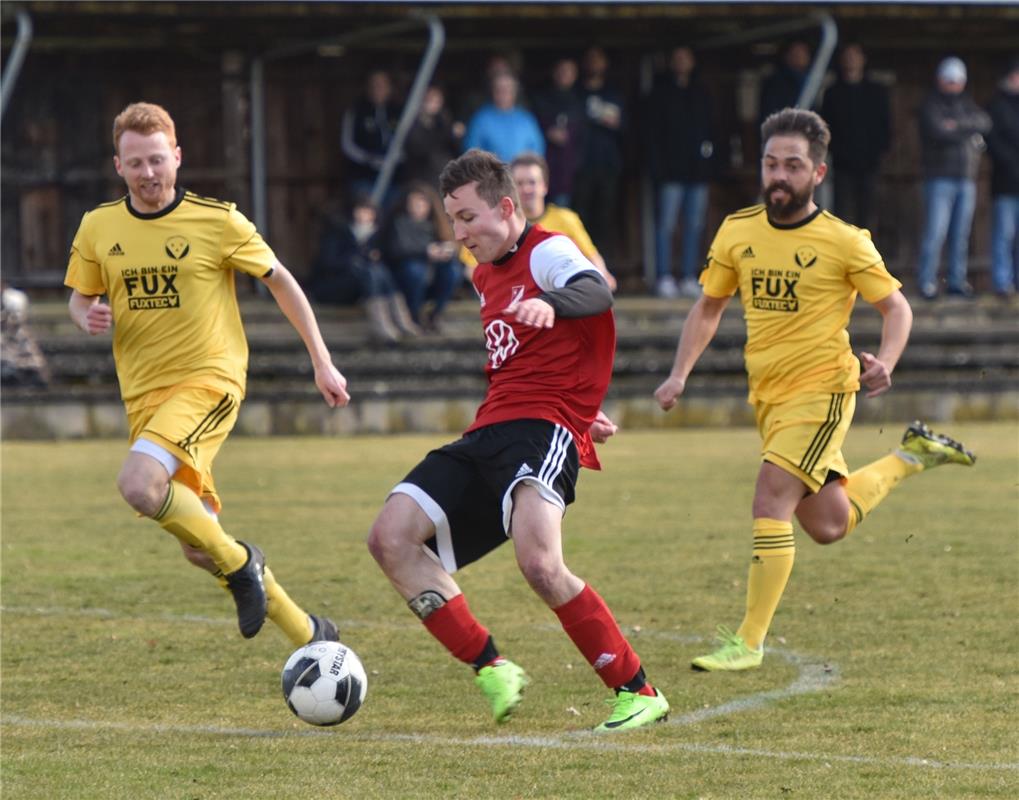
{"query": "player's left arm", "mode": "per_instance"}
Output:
(295, 307)
(571, 286)
(897, 319)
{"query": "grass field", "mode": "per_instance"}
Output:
(892, 667)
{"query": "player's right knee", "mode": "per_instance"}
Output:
(142, 495)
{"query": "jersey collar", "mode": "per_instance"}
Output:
(177, 198)
(789, 226)
(516, 246)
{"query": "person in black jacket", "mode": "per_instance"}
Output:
(1003, 145)
(432, 141)
(349, 270)
(680, 151)
(367, 129)
(857, 112)
(952, 129)
(596, 183)
(782, 88)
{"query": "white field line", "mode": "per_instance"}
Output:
(812, 676)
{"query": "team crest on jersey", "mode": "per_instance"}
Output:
(177, 247)
(806, 257)
(501, 342)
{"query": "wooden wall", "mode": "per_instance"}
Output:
(56, 149)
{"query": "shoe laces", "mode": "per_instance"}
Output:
(728, 638)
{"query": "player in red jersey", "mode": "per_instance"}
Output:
(550, 335)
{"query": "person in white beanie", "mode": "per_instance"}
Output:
(952, 127)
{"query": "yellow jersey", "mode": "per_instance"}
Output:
(798, 284)
(169, 278)
(558, 220)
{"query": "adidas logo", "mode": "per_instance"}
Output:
(524, 470)
(748, 253)
(116, 250)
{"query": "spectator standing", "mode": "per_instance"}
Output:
(349, 270)
(419, 245)
(432, 141)
(782, 88)
(596, 185)
(951, 138)
(367, 129)
(561, 114)
(1003, 145)
(681, 158)
(858, 114)
(502, 127)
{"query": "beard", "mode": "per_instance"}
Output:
(794, 202)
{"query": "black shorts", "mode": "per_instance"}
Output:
(466, 487)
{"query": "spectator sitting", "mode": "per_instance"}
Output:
(502, 127)
(349, 270)
(21, 361)
(432, 141)
(419, 246)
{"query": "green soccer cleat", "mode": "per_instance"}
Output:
(631, 710)
(920, 445)
(732, 656)
(503, 684)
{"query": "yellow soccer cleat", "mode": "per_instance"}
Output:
(920, 445)
(732, 656)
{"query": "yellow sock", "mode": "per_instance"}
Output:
(288, 616)
(871, 484)
(185, 517)
(774, 552)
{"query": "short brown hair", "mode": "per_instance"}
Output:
(531, 160)
(799, 122)
(143, 118)
(487, 170)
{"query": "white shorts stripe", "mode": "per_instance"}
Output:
(443, 538)
(545, 480)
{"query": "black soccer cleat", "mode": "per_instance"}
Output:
(248, 588)
(323, 629)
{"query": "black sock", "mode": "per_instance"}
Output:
(487, 656)
(635, 684)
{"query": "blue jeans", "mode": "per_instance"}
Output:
(421, 280)
(1005, 242)
(950, 203)
(692, 199)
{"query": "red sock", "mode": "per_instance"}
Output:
(589, 623)
(454, 625)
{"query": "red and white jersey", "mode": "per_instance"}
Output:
(559, 374)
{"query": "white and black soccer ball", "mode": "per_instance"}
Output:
(324, 683)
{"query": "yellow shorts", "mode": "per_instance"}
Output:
(804, 435)
(191, 422)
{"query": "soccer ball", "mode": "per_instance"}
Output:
(324, 683)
